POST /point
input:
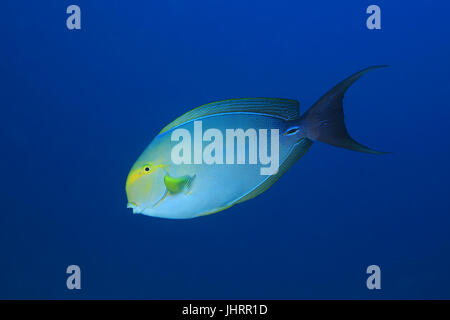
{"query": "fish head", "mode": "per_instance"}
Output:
(145, 186)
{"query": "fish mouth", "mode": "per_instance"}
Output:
(131, 205)
(138, 209)
(134, 206)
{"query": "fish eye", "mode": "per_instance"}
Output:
(147, 169)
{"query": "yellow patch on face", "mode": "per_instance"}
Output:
(146, 169)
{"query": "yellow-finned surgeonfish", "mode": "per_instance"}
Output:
(199, 165)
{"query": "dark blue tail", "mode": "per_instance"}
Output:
(324, 121)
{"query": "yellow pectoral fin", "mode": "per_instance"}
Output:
(177, 185)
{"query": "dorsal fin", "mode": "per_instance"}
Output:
(280, 108)
(298, 150)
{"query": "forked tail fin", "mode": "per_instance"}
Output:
(324, 121)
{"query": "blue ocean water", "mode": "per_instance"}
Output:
(79, 106)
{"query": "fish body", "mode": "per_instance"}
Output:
(160, 186)
(216, 186)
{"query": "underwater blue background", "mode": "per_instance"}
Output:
(78, 108)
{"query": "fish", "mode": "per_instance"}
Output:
(173, 178)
